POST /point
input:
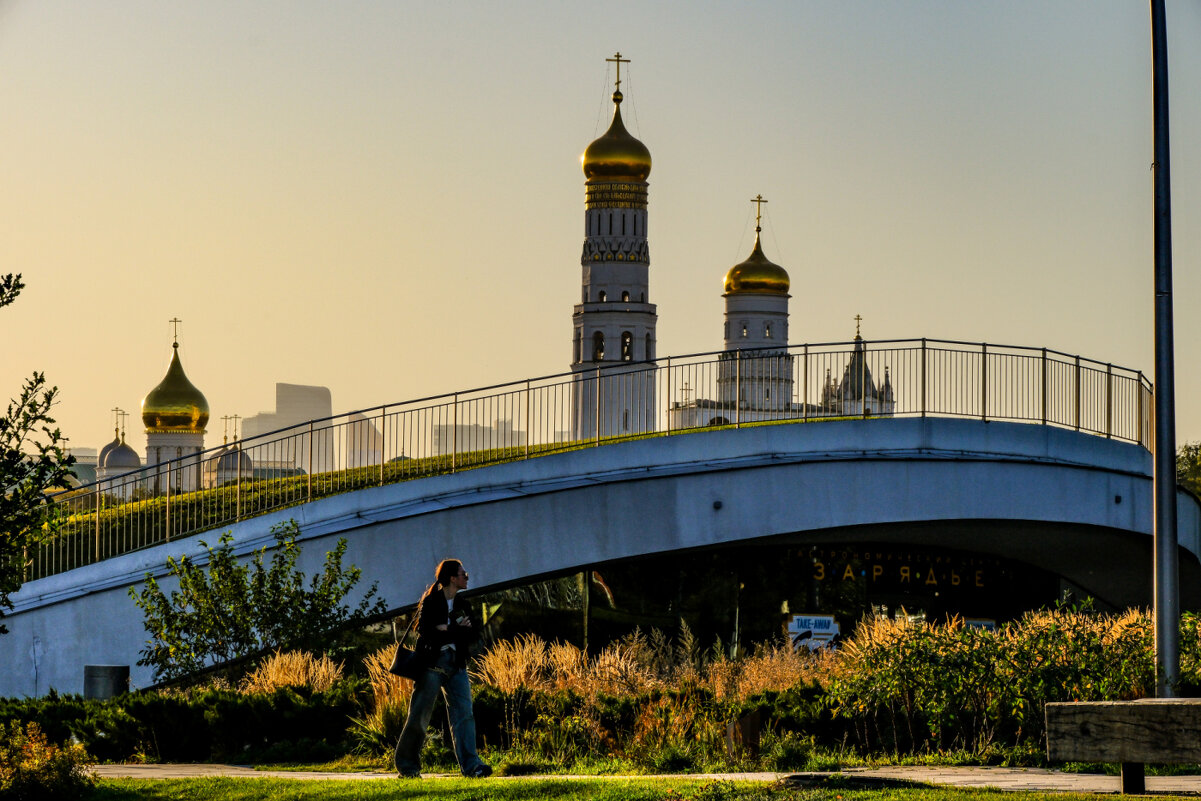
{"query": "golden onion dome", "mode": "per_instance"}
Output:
(175, 404)
(757, 274)
(616, 155)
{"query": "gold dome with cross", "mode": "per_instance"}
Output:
(616, 155)
(175, 404)
(757, 274)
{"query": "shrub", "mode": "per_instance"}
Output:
(293, 669)
(909, 687)
(229, 610)
(31, 768)
(376, 732)
(788, 752)
(199, 724)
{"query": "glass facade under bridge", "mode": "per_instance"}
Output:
(754, 592)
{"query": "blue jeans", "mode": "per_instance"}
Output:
(456, 689)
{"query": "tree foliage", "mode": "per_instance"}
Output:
(33, 461)
(1188, 466)
(231, 609)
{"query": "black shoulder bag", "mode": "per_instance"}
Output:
(406, 664)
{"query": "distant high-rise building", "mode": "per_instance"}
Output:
(364, 445)
(294, 404)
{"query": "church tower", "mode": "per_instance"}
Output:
(175, 413)
(756, 370)
(613, 390)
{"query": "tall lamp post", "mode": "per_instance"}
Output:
(1167, 572)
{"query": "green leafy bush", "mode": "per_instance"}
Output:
(201, 725)
(34, 769)
(908, 688)
(228, 610)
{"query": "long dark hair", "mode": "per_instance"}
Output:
(443, 573)
(446, 570)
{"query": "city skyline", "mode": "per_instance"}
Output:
(386, 199)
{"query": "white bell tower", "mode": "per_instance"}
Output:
(613, 345)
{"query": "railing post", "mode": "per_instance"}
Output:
(1044, 362)
(167, 512)
(863, 381)
(97, 522)
(984, 381)
(598, 405)
(238, 491)
(923, 376)
(805, 384)
(1109, 400)
(738, 388)
(528, 424)
(1077, 393)
(669, 396)
(1141, 411)
(383, 442)
(312, 444)
(454, 433)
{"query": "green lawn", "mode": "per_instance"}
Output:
(623, 789)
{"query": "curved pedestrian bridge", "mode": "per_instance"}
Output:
(609, 405)
(1071, 503)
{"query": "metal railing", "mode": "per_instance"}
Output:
(597, 405)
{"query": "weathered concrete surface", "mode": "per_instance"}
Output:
(1077, 505)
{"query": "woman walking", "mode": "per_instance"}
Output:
(445, 633)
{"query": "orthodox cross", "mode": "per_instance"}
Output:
(116, 410)
(758, 200)
(225, 426)
(175, 321)
(235, 418)
(121, 415)
(858, 319)
(618, 60)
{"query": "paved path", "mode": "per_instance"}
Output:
(1025, 779)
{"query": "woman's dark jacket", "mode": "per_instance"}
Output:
(431, 613)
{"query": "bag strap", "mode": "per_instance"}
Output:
(413, 622)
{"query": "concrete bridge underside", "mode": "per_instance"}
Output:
(1076, 505)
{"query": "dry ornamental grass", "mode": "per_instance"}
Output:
(293, 669)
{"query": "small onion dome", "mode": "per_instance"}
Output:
(175, 404)
(757, 274)
(107, 449)
(616, 156)
(121, 457)
(210, 464)
(229, 461)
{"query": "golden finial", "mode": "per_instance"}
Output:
(618, 60)
(225, 429)
(758, 200)
(858, 319)
(175, 321)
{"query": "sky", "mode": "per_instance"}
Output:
(384, 197)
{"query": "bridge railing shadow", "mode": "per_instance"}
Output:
(597, 404)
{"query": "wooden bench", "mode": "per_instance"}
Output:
(1158, 730)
